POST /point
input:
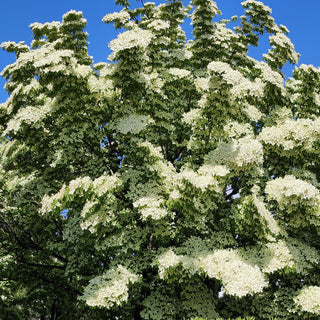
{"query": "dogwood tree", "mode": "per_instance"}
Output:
(178, 180)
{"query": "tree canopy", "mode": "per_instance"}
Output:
(178, 180)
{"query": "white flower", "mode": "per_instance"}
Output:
(110, 289)
(202, 84)
(258, 3)
(248, 88)
(235, 129)
(238, 277)
(192, 116)
(30, 115)
(167, 260)
(130, 39)
(280, 257)
(133, 123)
(239, 153)
(230, 75)
(179, 73)
(201, 181)
(150, 206)
(159, 24)
(290, 191)
(270, 75)
(105, 183)
(171, 260)
(79, 183)
(82, 70)
(123, 16)
(154, 151)
(309, 299)
(292, 133)
(253, 113)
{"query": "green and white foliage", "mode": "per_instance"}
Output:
(178, 180)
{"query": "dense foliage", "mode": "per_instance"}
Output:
(180, 180)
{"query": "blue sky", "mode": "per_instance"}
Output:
(301, 18)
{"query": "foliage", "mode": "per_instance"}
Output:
(180, 180)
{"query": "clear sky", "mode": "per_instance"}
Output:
(300, 17)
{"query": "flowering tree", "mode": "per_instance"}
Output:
(180, 180)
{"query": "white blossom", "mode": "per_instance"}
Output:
(235, 129)
(30, 115)
(309, 299)
(238, 277)
(192, 116)
(238, 153)
(159, 24)
(79, 183)
(270, 75)
(279, 257)
(202, 84)
(290, 190)
(105, 183)
(230, 75)
(247, 88)
(154, 151)
(170, 260)
(99, 187)
(292, 133)
(123, 16)
(179, 73)
(82, 70)
(110, 289)
(201, 181)
(133, 123)
(252, 112)
(150, 206)
(258, 3)
(130, 39)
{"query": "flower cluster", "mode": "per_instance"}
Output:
(309, 299)
(110, 289)
(256, 3)
(192, 116)
(150, 206)
(30, 115)
(159, 25)
(122, 16)
(268, 74)
(279, 257)
(130, 39)
(170, 260)
(252, 112)
(133, 123)
(235, 129)
(228, 74)
(202, 84)
(223, 35)
(179, 73)
(290, 191)
(247, 88)
(292, 133)
(21, 181)
(238, 277)
(152, 81)
(99, 186)
(201, 181)
(239, 153)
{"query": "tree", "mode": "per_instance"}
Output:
(180, 180)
